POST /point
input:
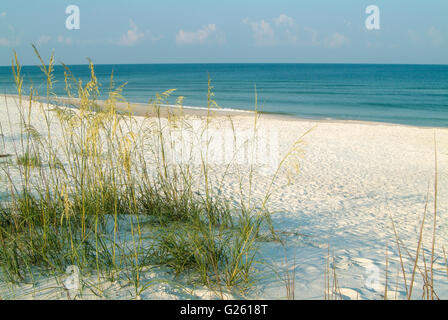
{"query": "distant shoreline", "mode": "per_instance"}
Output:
(142, 109)
(252, 63)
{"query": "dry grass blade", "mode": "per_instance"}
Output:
(446, 261)
(435, 215)
(419, 245)
(399, 253)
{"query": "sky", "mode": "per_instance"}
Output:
(231, 31)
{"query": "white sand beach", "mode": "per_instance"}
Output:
(353, 177)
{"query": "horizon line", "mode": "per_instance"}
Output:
(277, 63)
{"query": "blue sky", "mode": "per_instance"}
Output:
(195, 31)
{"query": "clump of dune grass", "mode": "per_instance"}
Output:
(29, 160)
(111, 200)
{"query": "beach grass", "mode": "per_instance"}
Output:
(29, 160)
(78, 192)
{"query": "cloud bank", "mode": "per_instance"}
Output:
(201, 36)
(132, 36)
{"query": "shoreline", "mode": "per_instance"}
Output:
(141, 110)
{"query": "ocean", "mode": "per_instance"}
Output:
(401, 94)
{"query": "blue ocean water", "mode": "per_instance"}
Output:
(403, 94)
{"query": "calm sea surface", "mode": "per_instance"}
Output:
(405, 94)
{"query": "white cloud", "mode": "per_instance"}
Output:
(262, 32)
(414, 36)
(4, 42)
(313, 36)
(64, 40)
(435, 36)
(280, 30)
(283, 30)
(337, 40)
(288, 30)
(43, 40)
(197, 37)
(132, 36)
(283, 19)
